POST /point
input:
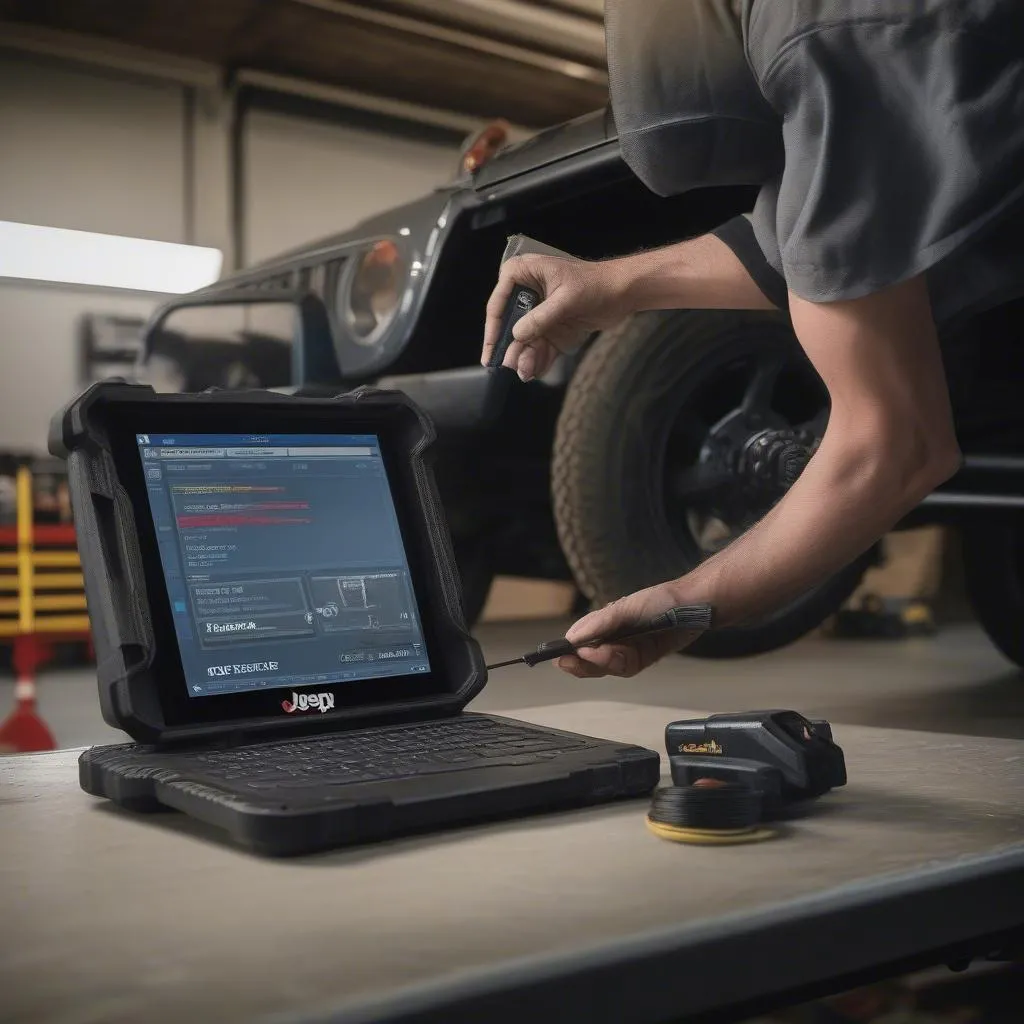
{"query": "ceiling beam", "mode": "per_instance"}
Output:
(96, 51)
(555, 31)
(457, 37)
(342, 97)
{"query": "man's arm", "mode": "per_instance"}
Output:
(582, 296)
(700, 273)
(890, 441)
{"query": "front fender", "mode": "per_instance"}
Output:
(309, 277)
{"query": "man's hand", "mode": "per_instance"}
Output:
(626, 659)
(577, 298)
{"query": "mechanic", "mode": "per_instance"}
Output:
(886, 138)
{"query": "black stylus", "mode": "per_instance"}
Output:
(693, 616)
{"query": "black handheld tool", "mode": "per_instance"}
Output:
(520, 303)
(695, 616)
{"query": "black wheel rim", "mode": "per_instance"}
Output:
(756, 380)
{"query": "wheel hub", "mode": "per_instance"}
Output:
(745, 467)
(773, 459)
(760, 459)
(724, 471)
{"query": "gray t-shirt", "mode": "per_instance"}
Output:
(886, 136)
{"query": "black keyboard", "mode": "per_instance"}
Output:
(379, 754)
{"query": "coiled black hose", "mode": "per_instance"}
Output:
(721, 806)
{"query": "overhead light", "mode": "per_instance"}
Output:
(32, 252)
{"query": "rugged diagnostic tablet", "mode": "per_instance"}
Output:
(255, 580)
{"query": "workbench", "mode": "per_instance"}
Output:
(108, 916)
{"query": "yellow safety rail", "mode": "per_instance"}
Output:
(39, 591)
(26, 617)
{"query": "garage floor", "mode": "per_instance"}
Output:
(955, 683)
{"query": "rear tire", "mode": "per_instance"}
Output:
(615, 522)
(994, 575)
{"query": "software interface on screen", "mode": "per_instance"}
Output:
(283, 559)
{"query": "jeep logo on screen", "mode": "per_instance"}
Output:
(309, 702)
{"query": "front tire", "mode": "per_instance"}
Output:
(641, 408)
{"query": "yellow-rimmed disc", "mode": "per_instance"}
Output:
(710, 837)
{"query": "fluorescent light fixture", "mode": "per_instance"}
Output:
(31, 252)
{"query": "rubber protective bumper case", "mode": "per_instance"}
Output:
(321, 817)
(116, 586)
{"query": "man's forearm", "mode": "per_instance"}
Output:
(846, 499)
(890, 441)
(701, 273)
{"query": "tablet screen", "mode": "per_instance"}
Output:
(283, 559)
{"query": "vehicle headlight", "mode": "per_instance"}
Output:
(370, 291)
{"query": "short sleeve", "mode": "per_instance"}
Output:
(738, 235)
(904, 140)
(688, 110)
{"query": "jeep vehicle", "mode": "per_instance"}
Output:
(643, 453)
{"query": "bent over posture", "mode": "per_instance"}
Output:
(887, 140)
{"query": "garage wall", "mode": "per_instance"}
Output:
(306, 179)
(85, 150)
(103, 151)
(80, 150)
